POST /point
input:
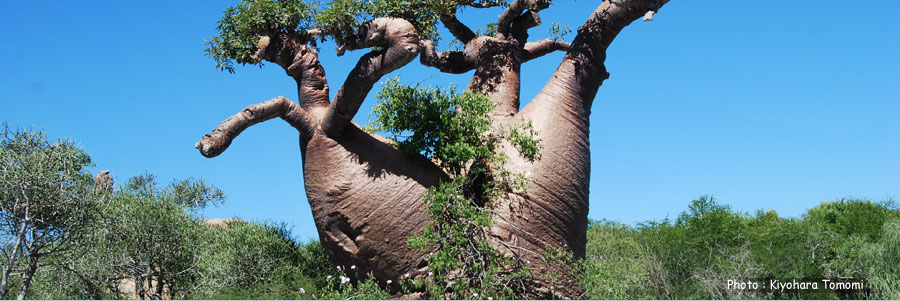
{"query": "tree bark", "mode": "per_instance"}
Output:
(27, 277)
(365, 194)
(12, 260)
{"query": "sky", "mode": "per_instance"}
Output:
(762, 105)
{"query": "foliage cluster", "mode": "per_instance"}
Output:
(455, 130)
(559, 31)
(694, 255)
(243, 24)
(340, 20)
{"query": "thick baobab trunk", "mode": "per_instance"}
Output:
(366, 195)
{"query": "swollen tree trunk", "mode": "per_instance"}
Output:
(366, 195)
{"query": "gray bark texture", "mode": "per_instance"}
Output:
(365, 194)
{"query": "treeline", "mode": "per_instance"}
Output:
(149, 243)
(694, 256)
(68, 235)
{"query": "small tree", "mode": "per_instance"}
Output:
(45, 200)
(156, 235)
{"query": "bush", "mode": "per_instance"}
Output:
(258, 261)
(693, 256)
(616, 263)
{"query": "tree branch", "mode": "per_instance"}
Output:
(513, 11)
(582, 71)
(446, 61)
(300, 62)
(400, 45)
(218, 140)
(519, 28)
(540, 48)
(457, 28)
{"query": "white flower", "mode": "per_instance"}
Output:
(475, 295)
(406, 275)
(345, 279)
(353, 267)
(389, 281)
(430, 253)
(429, 274)
(528, 261)
(490, 298)
(338, 268)
(302, 291)
(328, 278)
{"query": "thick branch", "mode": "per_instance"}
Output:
(218, 140)
(582, 71)
(498, 66)
(400, 44)
(447, 61)
(513, 11)
(300, 62)
(457, 28)
(540, 48)
(520, 26)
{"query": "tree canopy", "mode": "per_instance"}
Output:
(340, 20)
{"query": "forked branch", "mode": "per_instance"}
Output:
(300, 62)
(218, 140)
(454, 62)
(513, 11)
(399, 43)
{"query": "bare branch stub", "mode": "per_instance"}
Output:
(218, 140)
(533, 50)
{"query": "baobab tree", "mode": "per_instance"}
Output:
(365, 192)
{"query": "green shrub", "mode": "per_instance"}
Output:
(693, 256)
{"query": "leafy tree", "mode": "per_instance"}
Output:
(45, 201)
(156, 235)
(358, 183)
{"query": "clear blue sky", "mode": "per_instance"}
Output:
(775, 105)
